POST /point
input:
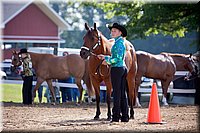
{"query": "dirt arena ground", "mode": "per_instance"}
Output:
(72, 118)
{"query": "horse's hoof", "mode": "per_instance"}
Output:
(96, 118)
(89, 103)
(109, 118)
(53, 103)
(165, 104)
(139, 105)
(131, 117)
(77, 104)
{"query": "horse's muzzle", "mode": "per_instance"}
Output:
(12, 68)
(191, 76)
(84, 53)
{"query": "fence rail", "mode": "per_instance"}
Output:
(72, 85)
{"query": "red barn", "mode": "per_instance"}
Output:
(30, 24)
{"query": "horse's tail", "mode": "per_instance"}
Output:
(87, 81)
(132, 71)
(135, 67)
(133, 54)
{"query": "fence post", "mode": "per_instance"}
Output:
(197, 93)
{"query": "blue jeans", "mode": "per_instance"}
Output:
(75, 94)
(66, 94)
(40, 90)
(102, 95)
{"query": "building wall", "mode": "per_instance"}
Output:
(31, 22)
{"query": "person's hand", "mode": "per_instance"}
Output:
(12, 68)
(104, 62)
(101, 56)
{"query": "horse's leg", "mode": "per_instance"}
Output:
(96, 85)
(49, 82)
(90, 89)
(137, 84)
(38, 84)
(165, 85)
(108, 97)
(80, 87)
(131, 93)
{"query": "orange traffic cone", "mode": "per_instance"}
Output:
(154, 116)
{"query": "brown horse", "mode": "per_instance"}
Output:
(48, 67)
(95, 43)
(162, 67)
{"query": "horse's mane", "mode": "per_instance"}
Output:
(42, 54)
(174, 54)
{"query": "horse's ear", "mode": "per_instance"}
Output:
(14, 52)
(95, 26)
(86, 26)
(190, 55)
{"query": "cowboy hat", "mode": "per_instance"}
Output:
(23, 50)
(119, 27)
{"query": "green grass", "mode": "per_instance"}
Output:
(13, 93)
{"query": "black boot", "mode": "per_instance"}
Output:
(115, 118)
(125, 118)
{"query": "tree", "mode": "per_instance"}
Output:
(76, 14)
(144, 19)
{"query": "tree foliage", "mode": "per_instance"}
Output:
(144, 19)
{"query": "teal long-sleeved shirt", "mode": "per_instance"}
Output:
(117, 53)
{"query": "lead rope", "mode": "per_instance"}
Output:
(98, 69)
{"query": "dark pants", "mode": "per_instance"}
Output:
(75, 94)
(27, 90)
(40, 90)
(66, 94)
(119, 84)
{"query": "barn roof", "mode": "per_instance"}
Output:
(13, 8)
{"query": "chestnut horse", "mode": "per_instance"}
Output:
(95, 43)
(163, 67)
(48, 67)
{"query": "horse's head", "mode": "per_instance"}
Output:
(16, 59)
(92, 42)
(191, 67)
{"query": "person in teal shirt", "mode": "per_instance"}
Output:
(118, 73)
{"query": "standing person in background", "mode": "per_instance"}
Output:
(102, 93)
(118, 73)
(75, 91)
(66, 92)
(27, 76)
